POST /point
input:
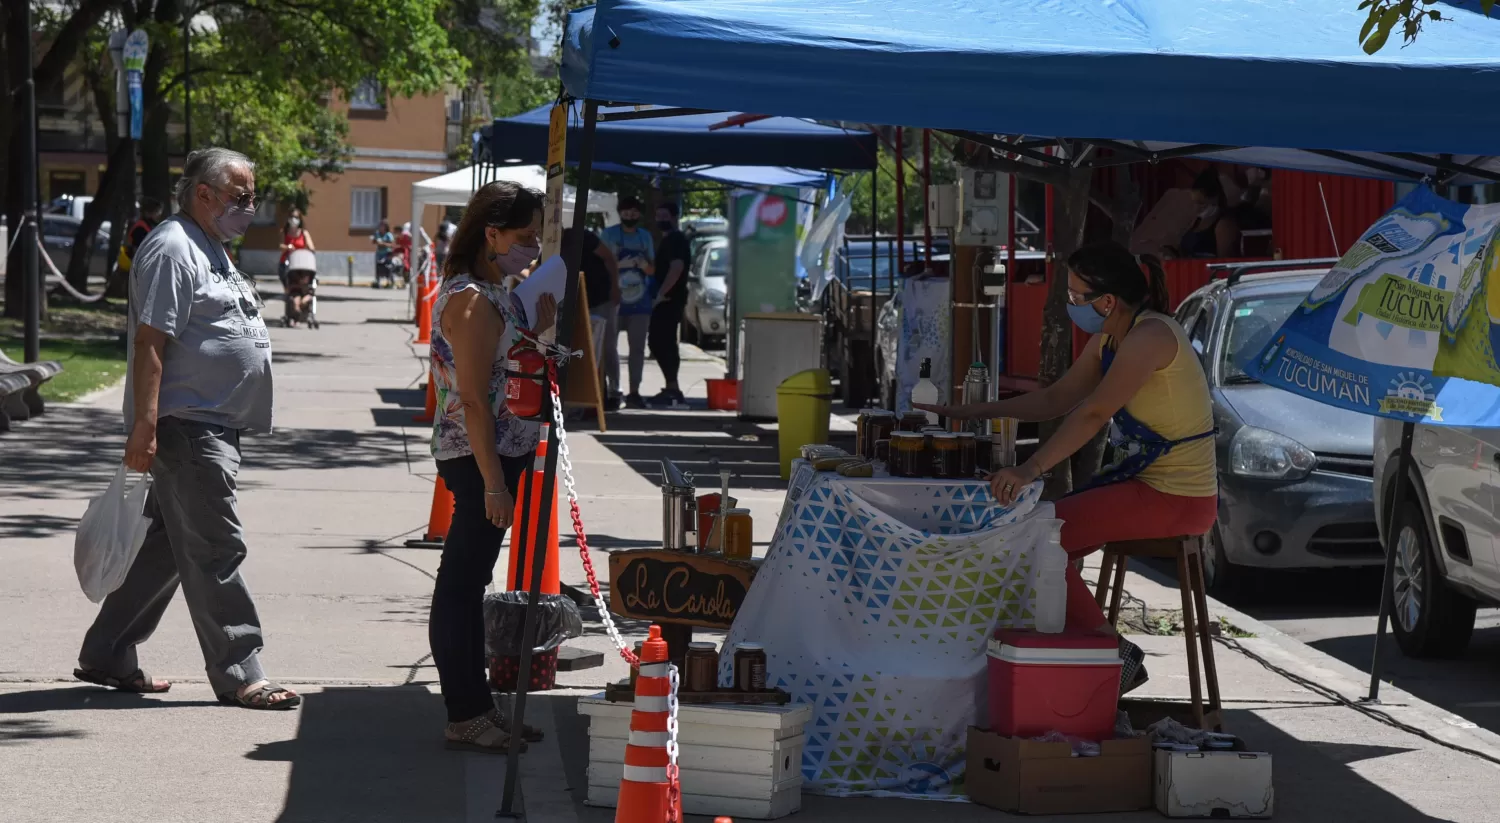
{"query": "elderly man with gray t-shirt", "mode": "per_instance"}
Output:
(199, 375)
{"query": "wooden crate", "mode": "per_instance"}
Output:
(742, 761)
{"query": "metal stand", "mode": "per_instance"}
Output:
(30, 228)
(572, 256)
(1392, 539)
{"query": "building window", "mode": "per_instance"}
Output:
(367, 96)
(364, 208)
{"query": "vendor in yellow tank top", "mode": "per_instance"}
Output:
(1139, 376)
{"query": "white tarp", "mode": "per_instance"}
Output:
(875, 604)
(456, 187)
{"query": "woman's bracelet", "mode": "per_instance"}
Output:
(497, 492)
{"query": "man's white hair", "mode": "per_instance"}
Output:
(211, 166)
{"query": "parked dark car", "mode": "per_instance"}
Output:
(1295, 475)
(58, 234)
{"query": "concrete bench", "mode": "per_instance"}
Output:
(28, 403)
(12, 387)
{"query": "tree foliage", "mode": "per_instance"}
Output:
(1385, 17)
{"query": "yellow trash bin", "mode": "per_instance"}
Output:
(803, 403)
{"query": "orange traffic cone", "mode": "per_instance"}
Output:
(426, 296)
(645, 793)
(523, 540)
(438, 520)
(430, 408)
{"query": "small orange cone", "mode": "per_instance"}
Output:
(426, 296)
(522, 541)
(438, 520)
(645, 793)
(430, 408)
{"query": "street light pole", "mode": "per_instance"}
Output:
(31, 271)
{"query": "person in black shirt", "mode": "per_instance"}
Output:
(601, 277)
(673, 255)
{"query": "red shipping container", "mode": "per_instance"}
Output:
(1067, 682)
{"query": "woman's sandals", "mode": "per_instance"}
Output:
(481, 734)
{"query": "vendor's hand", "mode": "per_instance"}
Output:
(1007, 484)
(950, 412)
(499, 507)
(546, 312)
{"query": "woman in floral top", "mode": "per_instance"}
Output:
(480, 447)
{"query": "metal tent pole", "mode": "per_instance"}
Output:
(572, 257)
(900, 200)
(927, 197)
(1392, 544)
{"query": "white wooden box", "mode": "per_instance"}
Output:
(741, 761)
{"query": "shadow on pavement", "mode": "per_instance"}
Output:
(701, 443)
(87, 698)
(23, 730)
(71, 451)
(324, 449)
(35, 526)
(402, 417)
(407, 398)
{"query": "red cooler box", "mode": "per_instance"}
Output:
(1067, 682)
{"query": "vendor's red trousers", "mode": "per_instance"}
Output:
(1130, 510)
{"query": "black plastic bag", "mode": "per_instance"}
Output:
(557, 619)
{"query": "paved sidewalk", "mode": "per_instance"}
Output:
(328, 502)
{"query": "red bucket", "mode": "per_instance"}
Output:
(724, 394)
(506, 670)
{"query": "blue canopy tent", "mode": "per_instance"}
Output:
(1189, 77)
(687, 140)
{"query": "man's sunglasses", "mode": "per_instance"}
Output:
(248, 200)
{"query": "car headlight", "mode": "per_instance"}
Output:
(713, 298)
(1266, 455)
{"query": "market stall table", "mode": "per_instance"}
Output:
(875, 604)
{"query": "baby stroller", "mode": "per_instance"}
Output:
(301, 289)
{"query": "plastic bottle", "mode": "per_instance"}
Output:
(926, 391)
(1050, 605)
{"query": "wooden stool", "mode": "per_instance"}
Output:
(1195, 620)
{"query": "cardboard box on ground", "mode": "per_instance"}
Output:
(1031, 777)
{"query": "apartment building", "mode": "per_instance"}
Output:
(396, 142)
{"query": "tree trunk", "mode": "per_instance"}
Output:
(156, 170)
(15, 68)
(108, 198)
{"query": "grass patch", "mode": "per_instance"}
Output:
(84, 338)
(1168, 623)
(87, 365)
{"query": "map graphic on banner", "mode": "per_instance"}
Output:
(1406, 324)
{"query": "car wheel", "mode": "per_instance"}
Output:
(1220, 577)
(1428, 618)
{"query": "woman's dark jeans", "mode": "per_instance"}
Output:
(455, 626)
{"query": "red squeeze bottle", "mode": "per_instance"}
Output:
(708, 507)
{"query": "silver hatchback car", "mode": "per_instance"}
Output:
(1295, 475)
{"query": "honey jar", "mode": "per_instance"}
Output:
(738, 535)
(968, 454)
(702, 667)
(908, 455)
(945, 455)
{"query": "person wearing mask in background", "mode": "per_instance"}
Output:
(440, 246)
(480, 447)
(601, 277)
(403, 256)
(385, 245)
(672, 260)
(150, 217)
(198, 376)
(634, 251)
(1216, 230)
(294, 237)
(1140, 376)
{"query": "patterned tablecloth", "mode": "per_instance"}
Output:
(875, 604)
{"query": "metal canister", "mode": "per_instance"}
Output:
(977, 390)
(679, 507)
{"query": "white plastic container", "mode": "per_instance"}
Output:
(1050, 606)
(926, 391)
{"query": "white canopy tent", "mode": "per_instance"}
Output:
(456, 187)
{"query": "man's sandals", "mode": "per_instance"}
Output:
(135, 683)
(260, 698)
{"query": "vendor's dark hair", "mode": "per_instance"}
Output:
(1110, 268)
(501, 204)
(629, 201)
(1208, 182)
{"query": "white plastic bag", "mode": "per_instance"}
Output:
(109, 536)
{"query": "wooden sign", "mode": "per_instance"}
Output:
(581, 385)
(676, 587)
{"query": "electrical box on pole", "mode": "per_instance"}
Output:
(983, 207)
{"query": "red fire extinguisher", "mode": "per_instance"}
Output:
(525, 380)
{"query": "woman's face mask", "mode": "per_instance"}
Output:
(515, 259)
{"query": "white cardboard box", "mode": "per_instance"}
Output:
(1214, 784)
(741, 761)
